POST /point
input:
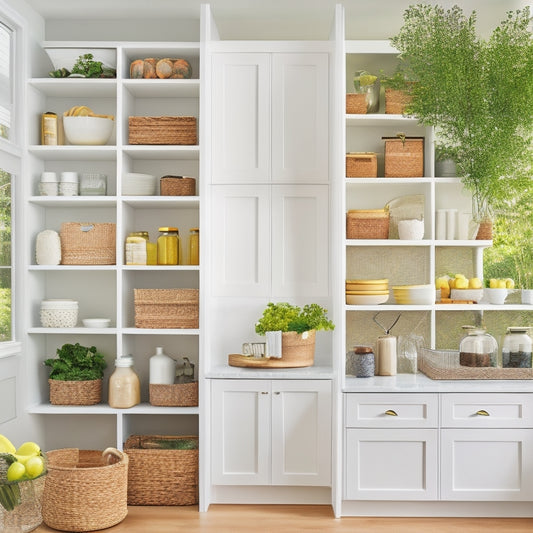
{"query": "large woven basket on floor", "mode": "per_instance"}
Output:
(162, 130)
(361, 165)
(404, 157)
(166, 308)
(177, 186)
(160, 475)
(367, 224)
(75, 392)
(176, 395)
(85, 490)
(88, 243)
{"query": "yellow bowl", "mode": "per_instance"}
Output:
(363, 287)
(367, 281)
(367, 292)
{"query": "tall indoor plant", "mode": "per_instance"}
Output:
(478, 94)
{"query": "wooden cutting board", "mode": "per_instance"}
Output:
(236, 359)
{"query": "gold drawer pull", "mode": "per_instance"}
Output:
(482, 412)
(391, 412)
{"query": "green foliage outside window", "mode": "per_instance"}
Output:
(5, 256)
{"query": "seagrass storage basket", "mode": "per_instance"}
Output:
(396, 101)
(85, 490)
(166, 308)
(177, 186)
(88, 243)
(356, 104)
(404, 157)
(75, 392)
(162, 130)
(361, 165)
(163, 470)
(367, 224)
(176, 395)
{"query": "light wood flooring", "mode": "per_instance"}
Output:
(294, 519)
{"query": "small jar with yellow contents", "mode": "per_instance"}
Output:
(168, 246)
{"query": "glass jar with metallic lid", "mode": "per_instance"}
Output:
(194, 246)
(168, 246)
(136, 244)
(517, 347)
(478, 348)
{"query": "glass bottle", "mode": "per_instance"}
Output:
(168, 246)
(478, 348)
(136, 246)
(517, 347)
(124, 384)
(194, 246)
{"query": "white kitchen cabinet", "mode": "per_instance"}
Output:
(271, 432)
(270, 117)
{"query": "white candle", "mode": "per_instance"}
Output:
(387, 355)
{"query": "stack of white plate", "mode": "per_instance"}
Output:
(135, 184)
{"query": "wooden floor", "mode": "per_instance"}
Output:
(294, 519)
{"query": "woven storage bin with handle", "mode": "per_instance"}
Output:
(177, 186)
(361, 165)
(75, 392)
(356, 104)
(85, 490)
(163, 470)
(88, 243)
(166, 308)
(177, 395)
(404, 157)
(162, 130)
(367, 224)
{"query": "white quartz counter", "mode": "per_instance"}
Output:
(236, 372)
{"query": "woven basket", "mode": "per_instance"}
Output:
(87, 243)
(367, 224)
(85, 491)
(296, 351)
(177, 395)
(161, 476)
(162, 130)
(166, 308)
(396, 101)
(75, 392)
(361, 165)
(484, 233)
(177, 186)
(356, 104)
(404, 157)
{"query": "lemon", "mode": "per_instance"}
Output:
(367, 79)
(6, 445)
(23, 459)
(34, 466)
(29, 448)
(15, 471)
(509, 283)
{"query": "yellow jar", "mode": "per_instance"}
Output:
(136, 248)
(151, 253)
(168, 246)
(194, 246)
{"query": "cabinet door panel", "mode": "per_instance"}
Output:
(241, 237)
(300, 117)
(300, 246)
(240, 437)
(487, 464)
(301, 433)
(241, 118)
(397, 464)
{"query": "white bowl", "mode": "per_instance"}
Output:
(96, 322)
(67, 57)
(496, 296)
(476, 295)
(364, 299)
(412, 229)
(414, 294)
(88, 130)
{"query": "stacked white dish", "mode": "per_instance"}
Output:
(414, 294)
(135, 184)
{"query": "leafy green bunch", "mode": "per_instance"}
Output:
(287, 317)
(76, 363)
(89, 68)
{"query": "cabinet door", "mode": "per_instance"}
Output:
(240, 432)
(487, 464)
(241, 240)
(241, 118)
(300, 140)
(300, 245)
(391, 464)
(301, 432)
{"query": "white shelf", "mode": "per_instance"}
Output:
(73, 331)
(159, 268)
(388, 242)
(471, 243)
(74, 201)
(387, 181)
(104, 409)
(162, 151)
(377, 119)
(74, 153)
(163, 88)
(60, 268)
(150, 331)
(69, 87)
(150, 202)
(388, 307)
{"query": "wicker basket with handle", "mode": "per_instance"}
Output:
(88, 243)
(85, 490)
(361, 165)
(404, 156)
(163, 470)
(367, 224)
(177, 186)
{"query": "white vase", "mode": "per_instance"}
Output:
(527, 296)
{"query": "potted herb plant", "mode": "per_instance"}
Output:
(298, 327)
(478, 94)
(76, 376)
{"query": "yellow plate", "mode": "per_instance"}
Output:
(367, 281)
(367, 292)
(359, 287)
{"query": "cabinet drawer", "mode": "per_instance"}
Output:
(487, 410)
(391, 410)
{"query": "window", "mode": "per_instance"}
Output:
(6, 80)
(5, 257)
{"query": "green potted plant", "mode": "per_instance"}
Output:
(398, 91)
(85, 67)
(76, 376)
(478, 94)
(298, 327)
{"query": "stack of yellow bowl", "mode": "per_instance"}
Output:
(367, 291)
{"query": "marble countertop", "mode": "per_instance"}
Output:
(235, 372)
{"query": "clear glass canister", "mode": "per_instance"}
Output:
(517, 347)
(478, 348)
(194, 246)
(136, 248)
(168, 246)
(124, 384)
